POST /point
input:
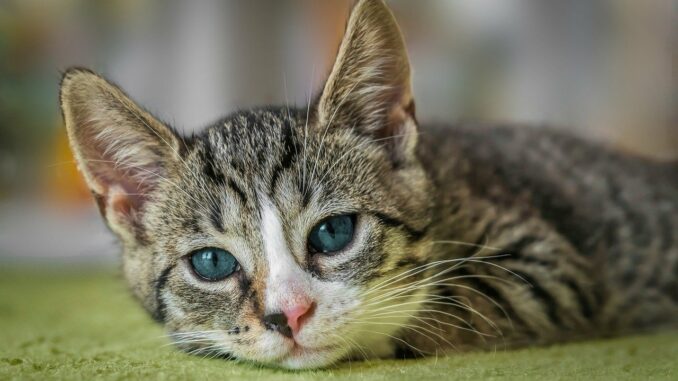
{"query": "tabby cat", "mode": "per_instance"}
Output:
(343, 230)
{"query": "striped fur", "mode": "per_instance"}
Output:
(466, 236)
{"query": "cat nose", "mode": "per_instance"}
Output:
(289, 321)
(297, 315)
(278, 322)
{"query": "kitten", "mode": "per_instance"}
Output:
(300, 238)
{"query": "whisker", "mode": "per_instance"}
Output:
(426, 266)
(396, 338)
(457, 303)
(415, 328)
(467, 244)
(438, 302)
(425, 319)
(458, 262)
(487, 297)
(408, 287)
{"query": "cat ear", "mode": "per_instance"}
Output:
(122, 151)
(369, 85)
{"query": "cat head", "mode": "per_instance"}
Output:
(275, 235)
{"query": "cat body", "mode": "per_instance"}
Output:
(584, 233)
(303, 236)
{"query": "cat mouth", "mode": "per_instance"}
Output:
(297, 348)
(305, 357)
(298, 351)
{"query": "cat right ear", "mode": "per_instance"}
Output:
(123, 152)
(369, 85)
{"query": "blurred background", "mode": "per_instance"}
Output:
(604, 69)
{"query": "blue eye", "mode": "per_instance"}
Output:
(213, 264)
(332, 234)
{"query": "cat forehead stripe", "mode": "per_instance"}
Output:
(285, 276)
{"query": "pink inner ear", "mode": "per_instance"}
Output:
(119, 201)
(124, 186)
(126, 190)
(123, 201)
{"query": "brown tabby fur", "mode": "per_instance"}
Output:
(468, 236)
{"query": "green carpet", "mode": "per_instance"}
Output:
(83, 325)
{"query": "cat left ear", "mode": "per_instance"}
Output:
(123, 152)
(369, 86)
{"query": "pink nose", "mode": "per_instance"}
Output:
(297, 315)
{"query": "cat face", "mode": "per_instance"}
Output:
(275, 235)
(258, 187)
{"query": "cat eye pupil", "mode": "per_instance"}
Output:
(332, 234)
(213, 264)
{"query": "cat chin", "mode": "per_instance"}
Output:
(310, 358)
(284, 353)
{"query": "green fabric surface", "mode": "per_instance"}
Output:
(82, 324)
